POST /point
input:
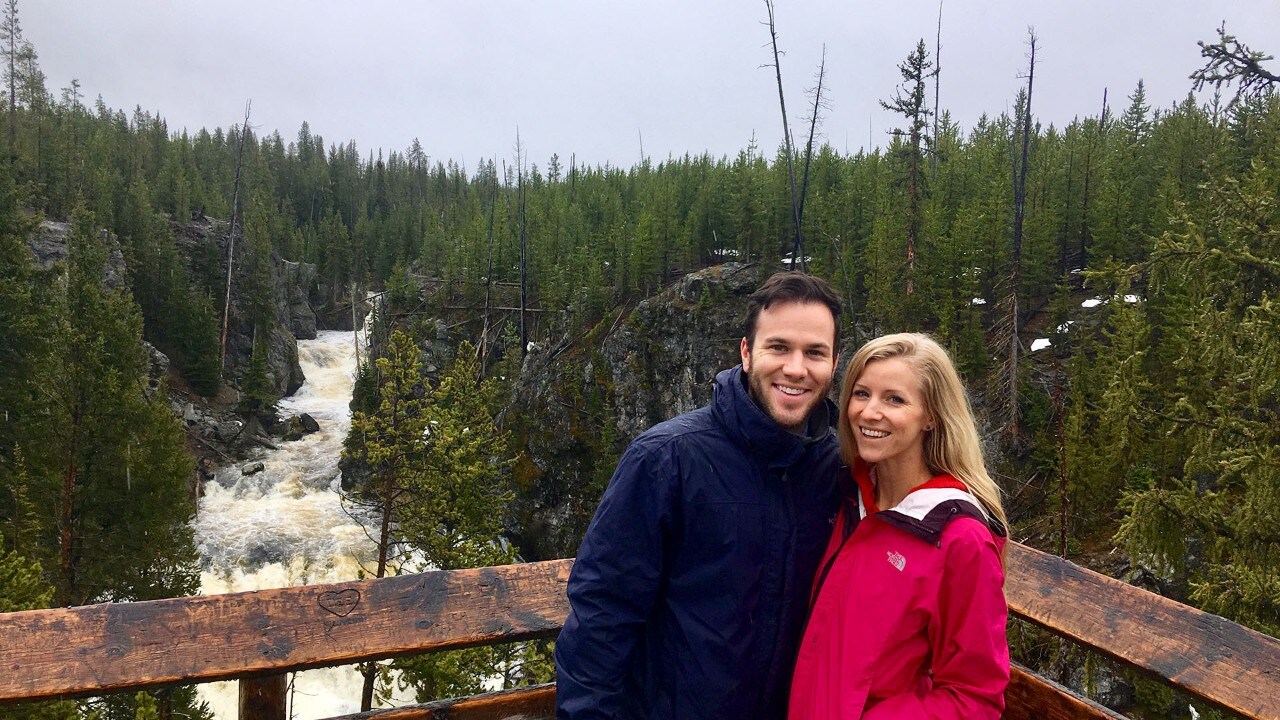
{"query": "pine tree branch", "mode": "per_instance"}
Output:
(1230, 60)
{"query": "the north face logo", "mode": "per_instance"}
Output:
(897, 560)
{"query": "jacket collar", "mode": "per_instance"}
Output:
(927, 510)
(758, 433)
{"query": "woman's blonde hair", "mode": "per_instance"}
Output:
(952, 446)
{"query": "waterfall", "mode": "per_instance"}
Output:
(286, 525)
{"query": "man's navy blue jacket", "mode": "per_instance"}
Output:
(691, 586)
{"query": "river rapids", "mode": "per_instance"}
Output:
(287, 524)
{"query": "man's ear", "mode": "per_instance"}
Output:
(746, 355)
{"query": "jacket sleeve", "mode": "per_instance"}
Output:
(613, 586)
(967, 634)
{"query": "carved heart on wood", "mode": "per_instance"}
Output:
(340, 602)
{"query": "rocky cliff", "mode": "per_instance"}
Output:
(203, 243)
(575, 406)
(217, 434)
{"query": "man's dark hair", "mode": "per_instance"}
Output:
(788, 287)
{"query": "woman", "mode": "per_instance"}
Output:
(907, 615)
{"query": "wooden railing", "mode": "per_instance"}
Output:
(259, 637)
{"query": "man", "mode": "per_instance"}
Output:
(691, 586)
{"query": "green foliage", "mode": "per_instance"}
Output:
(22, 585)
(150, 705)
(438, 466)
(402, 295)
(364, 393)
(1197, 433)
(1167, 415)
(453, 518)
(257, 393)
(102, 462)
(195, 341)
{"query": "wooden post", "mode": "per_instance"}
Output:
(263, 697)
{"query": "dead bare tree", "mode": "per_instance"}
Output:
(937, 92)
(1019, 213)
(798, 248)
(488, 275)
(908, 101)
(231, 239)
(524, 248)
(11, 32)
(819, 104)
(1064, 497)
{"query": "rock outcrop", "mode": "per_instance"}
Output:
(217, 435)
(576, 405)
(48, 244)
(663, 359)
(203, 243)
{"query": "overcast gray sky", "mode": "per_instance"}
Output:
(595, 77)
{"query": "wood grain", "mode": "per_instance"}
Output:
(1205, 655)
(264, 698)
(96, 649)
(1032, 697)
(537, 702)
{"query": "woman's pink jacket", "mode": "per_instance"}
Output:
(908, 616)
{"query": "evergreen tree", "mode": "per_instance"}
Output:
(908, 152)
(1210, 515)
(23, 587)
(110, 461)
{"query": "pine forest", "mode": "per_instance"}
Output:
(1107, 287)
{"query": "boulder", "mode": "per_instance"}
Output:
(309, 424)
(228, 430)
(301, 426)
(157, 370)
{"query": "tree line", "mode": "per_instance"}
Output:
(1150, 418)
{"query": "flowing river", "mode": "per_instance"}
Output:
(286, 525)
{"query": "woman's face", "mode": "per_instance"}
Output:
(887, 413)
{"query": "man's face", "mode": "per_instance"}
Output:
(791, 364)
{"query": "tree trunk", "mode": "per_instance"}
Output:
(937, 92)
(1064, 500)
(913, 208)
(808, 149)
(488, 278)
(231, 242)
(797, 250)
(1088, 162)
(384, 541)
(11, 21)
(1019, 210)
(66, 536)
(524, 251)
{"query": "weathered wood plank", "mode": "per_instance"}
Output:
(264, 698)
(1205, 655)
(528, 703)
(100, 648)
(1032, 697)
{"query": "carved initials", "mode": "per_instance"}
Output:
(340, 602)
